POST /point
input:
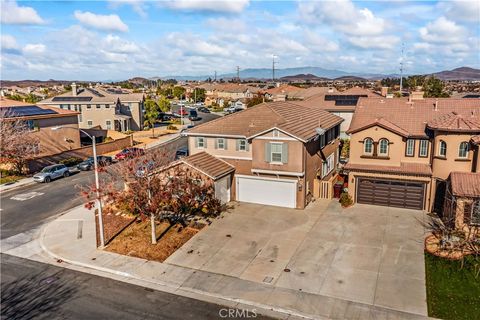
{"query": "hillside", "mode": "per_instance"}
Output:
(463, 74)
(303, 77)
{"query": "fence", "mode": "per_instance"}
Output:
(83, 152)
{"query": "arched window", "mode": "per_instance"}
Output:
(383, 147)
(442, 149)
(368, 146)
(463, 150)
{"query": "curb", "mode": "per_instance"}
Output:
(5, 188)
(282, 311)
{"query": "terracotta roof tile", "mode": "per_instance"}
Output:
(476, 139)
(292, 118)
(408, 168)
(412, 116)
(209, 165)
(455, 122)
(465, 184)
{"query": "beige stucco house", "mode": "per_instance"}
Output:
(280, 151)
(107, 108)
(403, 150)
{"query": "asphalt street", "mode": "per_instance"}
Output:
(33, 290)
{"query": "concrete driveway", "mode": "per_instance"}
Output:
(367, 254)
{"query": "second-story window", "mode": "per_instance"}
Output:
(410, 148)
(276, 152)
(89, 123)
(98, 106)
(221, 143)
(442, 149)
(383, 147)
(423, 149)
(242, 145)
(201, 143)
(463, 150)
(368, 146)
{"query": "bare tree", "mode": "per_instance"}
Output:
(17, 145)
(154, 187)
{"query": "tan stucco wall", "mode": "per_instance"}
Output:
(55, 141)
(353, 175)
(443, 166)
(347, 117)
(230, 151)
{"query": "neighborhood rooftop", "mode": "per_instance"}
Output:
(293, 119)
(209, 165)
(94, 95)
(410, 118)
(18, 109)
(465, 184)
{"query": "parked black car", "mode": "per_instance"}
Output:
(203, 109)
(193, 115)
(89, 163)
(181, 152)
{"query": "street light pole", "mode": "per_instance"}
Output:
(97, 183)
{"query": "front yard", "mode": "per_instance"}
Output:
(453, 292)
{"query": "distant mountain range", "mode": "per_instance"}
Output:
(463, 73)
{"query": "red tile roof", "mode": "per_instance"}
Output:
(455, 122)
(289, 117)
(413, 116)
(209, 165)
(465, 184)
(405, 168)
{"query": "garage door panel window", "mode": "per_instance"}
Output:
(368, 146)
(383, 147)
(463, 150)
(423, 149)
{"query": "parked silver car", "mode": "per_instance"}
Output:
(51, 172)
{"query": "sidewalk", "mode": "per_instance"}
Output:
(70, 239)
(20, 183)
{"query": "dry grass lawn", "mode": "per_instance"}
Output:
(135, 241)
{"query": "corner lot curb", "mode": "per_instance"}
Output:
(283, 313)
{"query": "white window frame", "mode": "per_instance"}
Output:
(244, 146)
(410, 148)
(89, 123)
(202, 140)
(440, 148)
(272, 152)
(380, 147)
(365, 144)
(222, 140)
(460, 150)
(275, 133)
(107, 125)
(423, 142)
(328, 165)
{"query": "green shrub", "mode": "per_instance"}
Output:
(172, 127)
(70, 161)
(175, 121)
(108, 139)
(345, 200)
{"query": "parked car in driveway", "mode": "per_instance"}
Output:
(89, 163)
(52, 172)
(129, 153)
(203, 109)
(181, 152)
(193, 115)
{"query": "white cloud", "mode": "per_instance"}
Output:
(110, 22)
(442, 30)
(138, 6)
(34, 49)
(14, 14)
(375, 42)
(461, 10)
(8, 42)
(229, 6)
(118, 45)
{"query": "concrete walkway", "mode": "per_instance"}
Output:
(17, 184)
(70, 242)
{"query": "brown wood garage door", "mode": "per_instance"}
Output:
(391, 193)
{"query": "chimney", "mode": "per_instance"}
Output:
(384, 91)
(74, 89)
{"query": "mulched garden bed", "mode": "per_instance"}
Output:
(135, 240)
(113, 224)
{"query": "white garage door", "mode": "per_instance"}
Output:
(280, 193)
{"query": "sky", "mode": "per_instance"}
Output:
(116, 40)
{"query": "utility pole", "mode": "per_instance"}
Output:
(238, 73)
(401, 70)
(273, 67)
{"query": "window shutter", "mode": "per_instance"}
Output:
(216, 143)
(247, 146)
(225, 144)
(285, 153)
(268, 153)
(196, 142)
(237, 147)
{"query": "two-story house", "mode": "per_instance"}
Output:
(109, 109)
(402, 151)
(280, 152)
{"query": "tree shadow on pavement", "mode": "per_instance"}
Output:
(35, 297)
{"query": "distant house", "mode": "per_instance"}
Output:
(281, 153)
(41, 119)
(107, 108)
